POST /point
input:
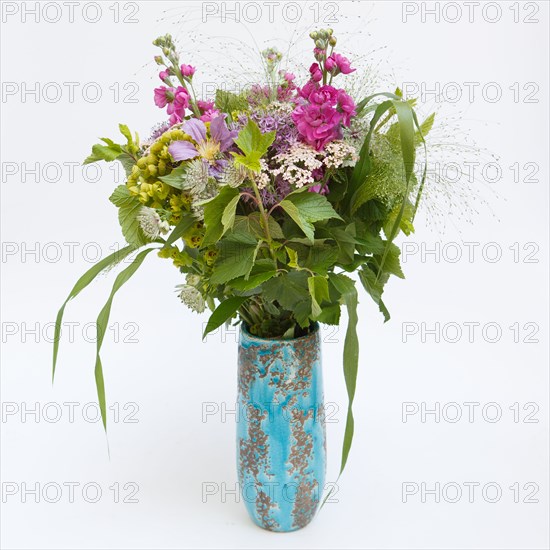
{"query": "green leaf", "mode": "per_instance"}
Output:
(347, 289)
(228, 102)
(253, 281)
(128, 210)
(321, 258)
(307, 208)
(223, 312)
(392, 264)
(253, 144)
(318, 290)
(330, 315)
(186, 222)
(228, 216)
(102, 324)
(374, 287)
(292, 258)
(80, 285)
(289, 289)
(125, 131)
(107, 153)
(176, 177)
(253, 223)
(213, 213)
(237, 254)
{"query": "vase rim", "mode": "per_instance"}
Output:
(250, 336)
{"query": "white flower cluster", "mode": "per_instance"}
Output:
(262, 179)
(297, 165)
(340, 153)
(150, 223)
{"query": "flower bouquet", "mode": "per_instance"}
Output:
(266, 201)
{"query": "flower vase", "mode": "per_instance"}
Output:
(281, 442)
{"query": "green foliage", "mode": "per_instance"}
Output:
(128, 210)
(228, 102)
(253, 144)
(213, 213)
(126, 154)
(225, 311)
(102, 324)
(237, 254)
(306, 208)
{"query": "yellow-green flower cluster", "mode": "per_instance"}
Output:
(144, 181)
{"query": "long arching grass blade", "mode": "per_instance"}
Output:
(80, 285)
(103, 321)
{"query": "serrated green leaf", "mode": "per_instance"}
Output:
(213, 212)
(176, 177)
(237, 254)
(228, 216)
(107, 153)
(128, 210)
(307, 208)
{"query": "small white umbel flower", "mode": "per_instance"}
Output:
(151, 224)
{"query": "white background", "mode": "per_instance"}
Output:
(170, 453)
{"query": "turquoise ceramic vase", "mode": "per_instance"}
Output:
(281, 449)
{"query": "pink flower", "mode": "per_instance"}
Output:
(187, 70)
(316, 73)
(317, 124)
(207, 110)
(336, 64)
(163, 96)
(163, 75)
(176, 109)
(346, 106)
(319, 53)
(308, 89)
(324, 94)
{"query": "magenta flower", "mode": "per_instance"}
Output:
(308, 89)
(346, 106)
(323, 95)
(336, 64)
(316, 73)
(317, 124)
(187, 70)
(163, 75)
(207, 110)
(176, 108)
(220, 140)
(163, 96)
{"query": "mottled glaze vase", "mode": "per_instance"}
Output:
(281, 449)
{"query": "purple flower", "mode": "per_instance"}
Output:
(221, 139)
(163, 75)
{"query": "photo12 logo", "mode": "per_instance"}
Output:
(69, 12)
(271, 12)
